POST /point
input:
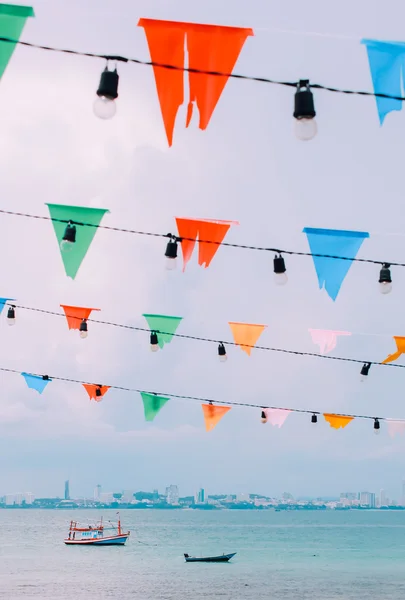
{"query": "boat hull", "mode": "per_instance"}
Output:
(223, 558)
(117, 540)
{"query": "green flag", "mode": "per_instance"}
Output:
(12, 21)
(164, 326)
(152, 405)
(73, 257)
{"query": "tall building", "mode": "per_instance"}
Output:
(200, 496)
(367, 499)
(383, 498)
(97, 493)
(67, 491)
(172, 494)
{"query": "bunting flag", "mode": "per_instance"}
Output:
(276, 416)
(35, 382)
(152, 404)
(74, 255)
(3, 302)
(12, 21)
(76, 314)
(210, 48)
(213, 414)
(400, 342)
(386, 61)
(211, 233)
(326, 339)
(96, 392)
(333, 242)
(164, 326)
(337, 421)
(395, 427)
(246, 335)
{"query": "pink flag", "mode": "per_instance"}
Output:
(326, 339)
(276, 416)
(395, 427)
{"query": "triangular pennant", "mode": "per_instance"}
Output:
(276, 416)
(246, 335)
(210, 48)
(3, 302)
(96, 392)
(35, 382)
(74, 253)
(76, 314)
(211, 233)
(164, 326)
(333, 242)
(395, 427)
(326, 339)
(337, 421)
(12, 21)
(400, 343)
(386, 61)
(213, 414)
(152, 404)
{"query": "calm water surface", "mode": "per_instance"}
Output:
(281, 556)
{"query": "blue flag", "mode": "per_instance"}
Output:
(334, 242)
(386, 61)
(35, 382)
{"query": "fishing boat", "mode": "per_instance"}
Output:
(221, 558)
(97, 534)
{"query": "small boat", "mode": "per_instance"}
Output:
(222, 558)
(97, 534)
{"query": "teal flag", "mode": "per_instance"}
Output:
(73, 257)
(12, 21)
(152, 403)
(164, 326)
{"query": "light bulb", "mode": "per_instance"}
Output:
(154, 347)
(305, 129)
(104, 108)
(66, 245)
(377, 431)
(363, 378)
(171, 264)
(280, 278)
(84, 334)
(223, 358)
(385, 287)
(11, 322)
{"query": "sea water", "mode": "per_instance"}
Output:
(280, 555)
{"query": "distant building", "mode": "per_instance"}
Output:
(67, 491)
(349, 496)
(200, 496)
(383, 498)
(128, 496)
(172, 494)
(97, 493)
(287, 497)
(106, 498)
(19, 499)
(367, 499)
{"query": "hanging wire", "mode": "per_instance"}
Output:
(172, 236)
(211, 340)
(151, 63)
(202, 399)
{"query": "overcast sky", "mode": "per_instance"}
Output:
(248, 167)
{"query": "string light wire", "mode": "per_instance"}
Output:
(210, 340)
(227, 244)
(201, 399)
(151, 63)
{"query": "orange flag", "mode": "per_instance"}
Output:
(246, 335)
(400, 342)
(210, 48)
(76, 314)
(337, 421)
(213, 414)
(96, 392)
(210, 232)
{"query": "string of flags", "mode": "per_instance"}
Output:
(213, 410)
(162, 329)
(333, 250)
(212, 52)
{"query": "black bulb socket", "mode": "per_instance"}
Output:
(304, 107)
(171, 249)
(385, 274)
(279, 264)
(108, 87)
